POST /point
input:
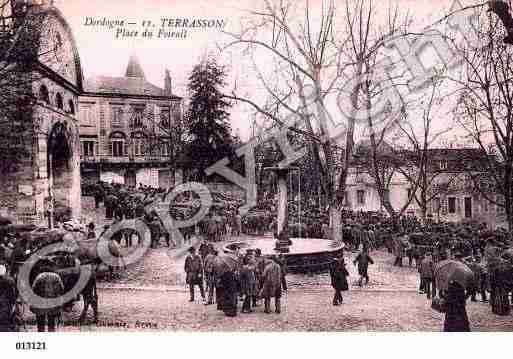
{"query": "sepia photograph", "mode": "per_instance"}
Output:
(255, 166)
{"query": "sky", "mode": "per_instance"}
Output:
(102, 54)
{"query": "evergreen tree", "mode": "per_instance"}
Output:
(207, 117)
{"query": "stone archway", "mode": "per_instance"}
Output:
(60, 170)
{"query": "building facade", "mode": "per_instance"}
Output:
(49, 176)
(453, 196)
(129, 129)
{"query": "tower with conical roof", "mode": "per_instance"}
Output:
(134, 68)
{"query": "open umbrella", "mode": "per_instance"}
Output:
(451, 270)
(225, 263)
(4, 221)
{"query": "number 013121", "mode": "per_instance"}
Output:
(30, 346)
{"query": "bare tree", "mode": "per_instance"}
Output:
(485, 110)
(313, 57)
(429, 175)
(380, 161)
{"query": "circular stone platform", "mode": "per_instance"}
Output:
(306, 255)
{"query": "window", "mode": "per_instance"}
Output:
(88, 148)
(139, 144)
(59, 101)
(409, 192)
(346, 201)
(117, 148)
(443, 165)
(44, 95)
(164, 149)
(137, 119)
(436, 205)
(177, 112)
(86, 115)
(117, 117)
(117, 144)
(452, 205)
(71, 107)
(360, 197)
(165, 118)
(58, 41)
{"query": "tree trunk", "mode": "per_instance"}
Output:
(335, 214)
(508, 205)
(423, 213)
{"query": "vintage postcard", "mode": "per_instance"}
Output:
(255, 166)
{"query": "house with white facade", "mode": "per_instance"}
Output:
(452, 195)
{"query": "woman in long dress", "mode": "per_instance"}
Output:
(499, 291)
(456, 319)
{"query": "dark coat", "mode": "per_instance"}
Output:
(456, 319)
(203, 250)
(426, 268)
(271, 280)
(193, 269)
(111, 200)
(7, 300)
(363, 259)
(248, 281)
(338, 274)
(48, 285)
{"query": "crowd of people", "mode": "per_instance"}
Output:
(406, 238)
(239, 282)
(487, 254)
(236, 277)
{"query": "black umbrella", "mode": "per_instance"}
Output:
(451, 270)
(5, 221)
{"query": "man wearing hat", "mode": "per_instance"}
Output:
(480, 279)
(271, 288)
(194, 273)
(260, 266)
(363, 259)
(210, 273)
(427, 275)
(338, 274)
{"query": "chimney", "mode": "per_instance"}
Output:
(168, 84)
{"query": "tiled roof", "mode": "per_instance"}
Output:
(123, 85)
(455, 154)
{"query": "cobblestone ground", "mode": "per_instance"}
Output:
(151, 295)
(303, 310)
(162, 267)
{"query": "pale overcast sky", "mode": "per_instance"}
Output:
(102, 54)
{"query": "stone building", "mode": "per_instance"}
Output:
(49, 175)
(129, 129)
